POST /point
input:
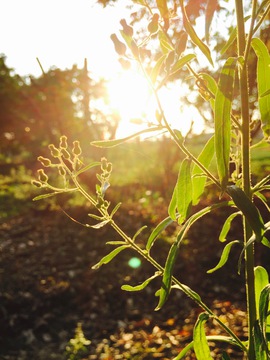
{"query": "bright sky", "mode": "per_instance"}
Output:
(60, 33)
(64, 32)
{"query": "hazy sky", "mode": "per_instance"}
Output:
(60, 33)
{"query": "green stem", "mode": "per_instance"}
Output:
(249, 253)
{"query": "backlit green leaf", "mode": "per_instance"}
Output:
(223, 103)
(224, 256)
(194, 37)
(263, 80)
(226, 226)
(184, 190)
(167, 276)
(115, 142)
(157, 230)
(172, 205)
(156, 69)
(87, 167)
(140, 286)
(182, 62)
(201, 347)
(211, 85)
(106, 259)
(261, 280)
(198, 178)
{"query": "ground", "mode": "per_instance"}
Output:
(48, 288)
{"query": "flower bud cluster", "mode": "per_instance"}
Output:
(101, 188)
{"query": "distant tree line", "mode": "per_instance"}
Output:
(36, 111)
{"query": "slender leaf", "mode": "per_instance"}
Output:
(201, 347)
(226, 226)
(225, 356)
(261, 280)
(264, 309)
(184, 190)
(44, 196)
(87, 167)
(263, 80)
(157, 230)
(138, 232)
(156, 69)
(172, 205)
(259, 344)
(223, 105)
(167, 276)
(106, 259)
(211, 7)
(188, 291)
(248, 209)
(114, 210)
(198, 182)
(224, 256)
(182, 62)
(99, 225)
(214, 338)
(141, 286)
(193, 36)
(165, 46)
(211, 85)
(115, 142)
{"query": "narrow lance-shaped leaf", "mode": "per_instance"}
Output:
(248, 209)
(211, 7)
(157, 230)
(198, 181)
(201, 347)
(264, 308)
(167, 275)
(194, 37)
(115, 142)
(223, 104)
(224, 256)
(184, 190)
(211, 85)
(140, 286)
(263, 80)
(182, 62)
(106, 259)
(261, 280)
(226, 226)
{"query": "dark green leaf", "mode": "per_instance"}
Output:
(224, 256)
(263, 80)
(194, 37)
(223, 103)
(227, 225)
(106, 259)
(44, 196)
(115, 142)
(201, 347)
(157, 230)
(248, 209)
(198, 182)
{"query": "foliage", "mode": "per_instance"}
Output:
(230, 145)
(77, 347)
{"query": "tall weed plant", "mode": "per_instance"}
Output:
(231, 142)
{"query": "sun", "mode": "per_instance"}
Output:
(131, 97)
